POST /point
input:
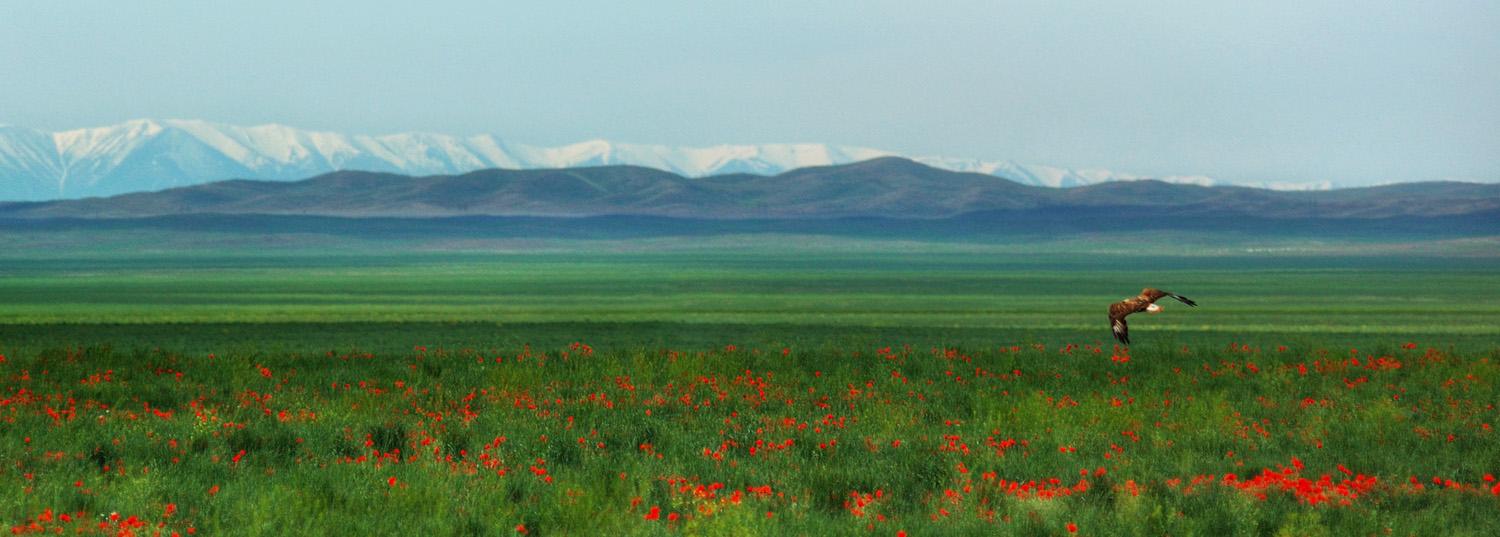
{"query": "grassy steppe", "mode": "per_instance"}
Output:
(999, 291)
(936, 392)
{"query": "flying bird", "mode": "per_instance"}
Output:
(1146, 302)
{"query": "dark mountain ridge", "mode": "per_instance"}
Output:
(890, 187)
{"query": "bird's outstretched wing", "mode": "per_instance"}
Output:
(1153, 295)
(1122, 332)
(1117, 313)
(1183, 299)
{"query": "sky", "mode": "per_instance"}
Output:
(1352, 92)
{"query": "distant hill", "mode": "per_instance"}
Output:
(886, 187)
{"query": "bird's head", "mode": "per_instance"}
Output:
(1153, 309)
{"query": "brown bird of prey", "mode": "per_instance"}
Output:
(1146, 302)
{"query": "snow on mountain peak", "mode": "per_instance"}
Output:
(147, 154)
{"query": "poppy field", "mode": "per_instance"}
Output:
(958, 396)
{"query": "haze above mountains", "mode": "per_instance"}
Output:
(148, 155)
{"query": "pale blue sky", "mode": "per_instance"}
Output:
(1346, 91)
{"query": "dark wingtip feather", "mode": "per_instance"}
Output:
(1184, 300)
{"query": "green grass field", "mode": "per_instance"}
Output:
(1002, 292)
(938, 390)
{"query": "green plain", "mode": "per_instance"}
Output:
(997, 297)
(702, 349)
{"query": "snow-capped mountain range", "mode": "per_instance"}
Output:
(147, 155)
